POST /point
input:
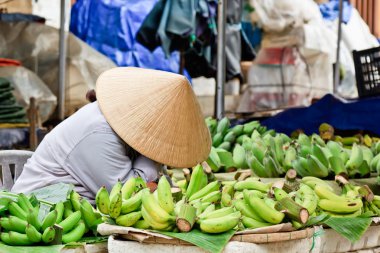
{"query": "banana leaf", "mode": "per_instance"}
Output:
(213, 243)
(31, 249)
(53, 193)
(350, 228)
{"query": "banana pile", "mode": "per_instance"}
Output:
(269, 154)
(21, 225)
(216, 207)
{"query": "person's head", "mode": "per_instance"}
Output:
(156, 113)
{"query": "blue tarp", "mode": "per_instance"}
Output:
(330, 10)
(363, 114)
(110, 27)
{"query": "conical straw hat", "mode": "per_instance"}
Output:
(156, 113)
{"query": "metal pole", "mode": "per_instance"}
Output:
(221, 60)
(337, 63)
(62, 63)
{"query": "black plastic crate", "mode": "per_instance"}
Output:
(367, 68)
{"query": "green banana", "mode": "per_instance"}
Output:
(4, 237)
(32, 218)
(15, 210)
(18, 239)
(271, 166)
(319, 154)
(356, 158)
(59, 207)
(316, 167)
(340, 206)
(257, 168)
(337, 165)
(4, 224)
(75, 234)
(165, 195)
(227, 193)
(115, 205)
(24, 202)
(279, 193)
(88, 214)
(221, 224)
(229, 137)
(290, 156)
(213, 160)
(239, 140)
(48, 235)
(324, 193)
(128, 220)
(196, 177)
(17, 224)
(102, 200)
(141, 224)
(217, 139)
(367, 154)
(249, 127)
(154, 209)
(315, 138)
(209, 209)
(212, 197)
(237, 130)
(223, 126)
(75, 200)
(70, 222)
(211, 187)
(265, 212)
(299, 167)
(304, 140)
(238, 156)
(334, 147)
(258, 150)
(252, 223)
(251, 185)
(309, 199)
(128, 188)
(246, 210)
(49, 220)
(32, 233)
(68, 209)
(131, 204)
(374, 162)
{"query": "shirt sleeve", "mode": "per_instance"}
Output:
(100, 159)
(146, 168)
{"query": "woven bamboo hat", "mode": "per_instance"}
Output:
(156, 113)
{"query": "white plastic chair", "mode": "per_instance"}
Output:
(11, 165)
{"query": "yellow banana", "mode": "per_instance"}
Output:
(340, 206)
(154, 209)
(212, 197)
(313, 181)
(165, 195)
(217, 213)
(103, 200)
(279, 193)
(252, 223)
(324, 193)
(75, 234)
(221, 224)
(128, 188)
(152, 222)
(141, 224)
(246, 210)
(128, 220)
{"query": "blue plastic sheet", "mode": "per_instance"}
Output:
(361, 114)
(330, 10)
(111, 26)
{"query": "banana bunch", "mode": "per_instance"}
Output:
(23, 226)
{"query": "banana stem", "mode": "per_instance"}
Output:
(186, 217)
(366, 193)
(176, 193)
(186, 174)
(291, 175)
(207, 169)
(292, 210)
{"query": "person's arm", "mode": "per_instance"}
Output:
(143, 167)
(100, 159)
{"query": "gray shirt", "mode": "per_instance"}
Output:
(84, 151)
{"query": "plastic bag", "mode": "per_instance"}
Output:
(27, 85)
(278, 78)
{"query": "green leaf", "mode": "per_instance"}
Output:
(54, 193)
(351, 228)
(93, 239)
(214, 243)
(316, 220)
(31, 249)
